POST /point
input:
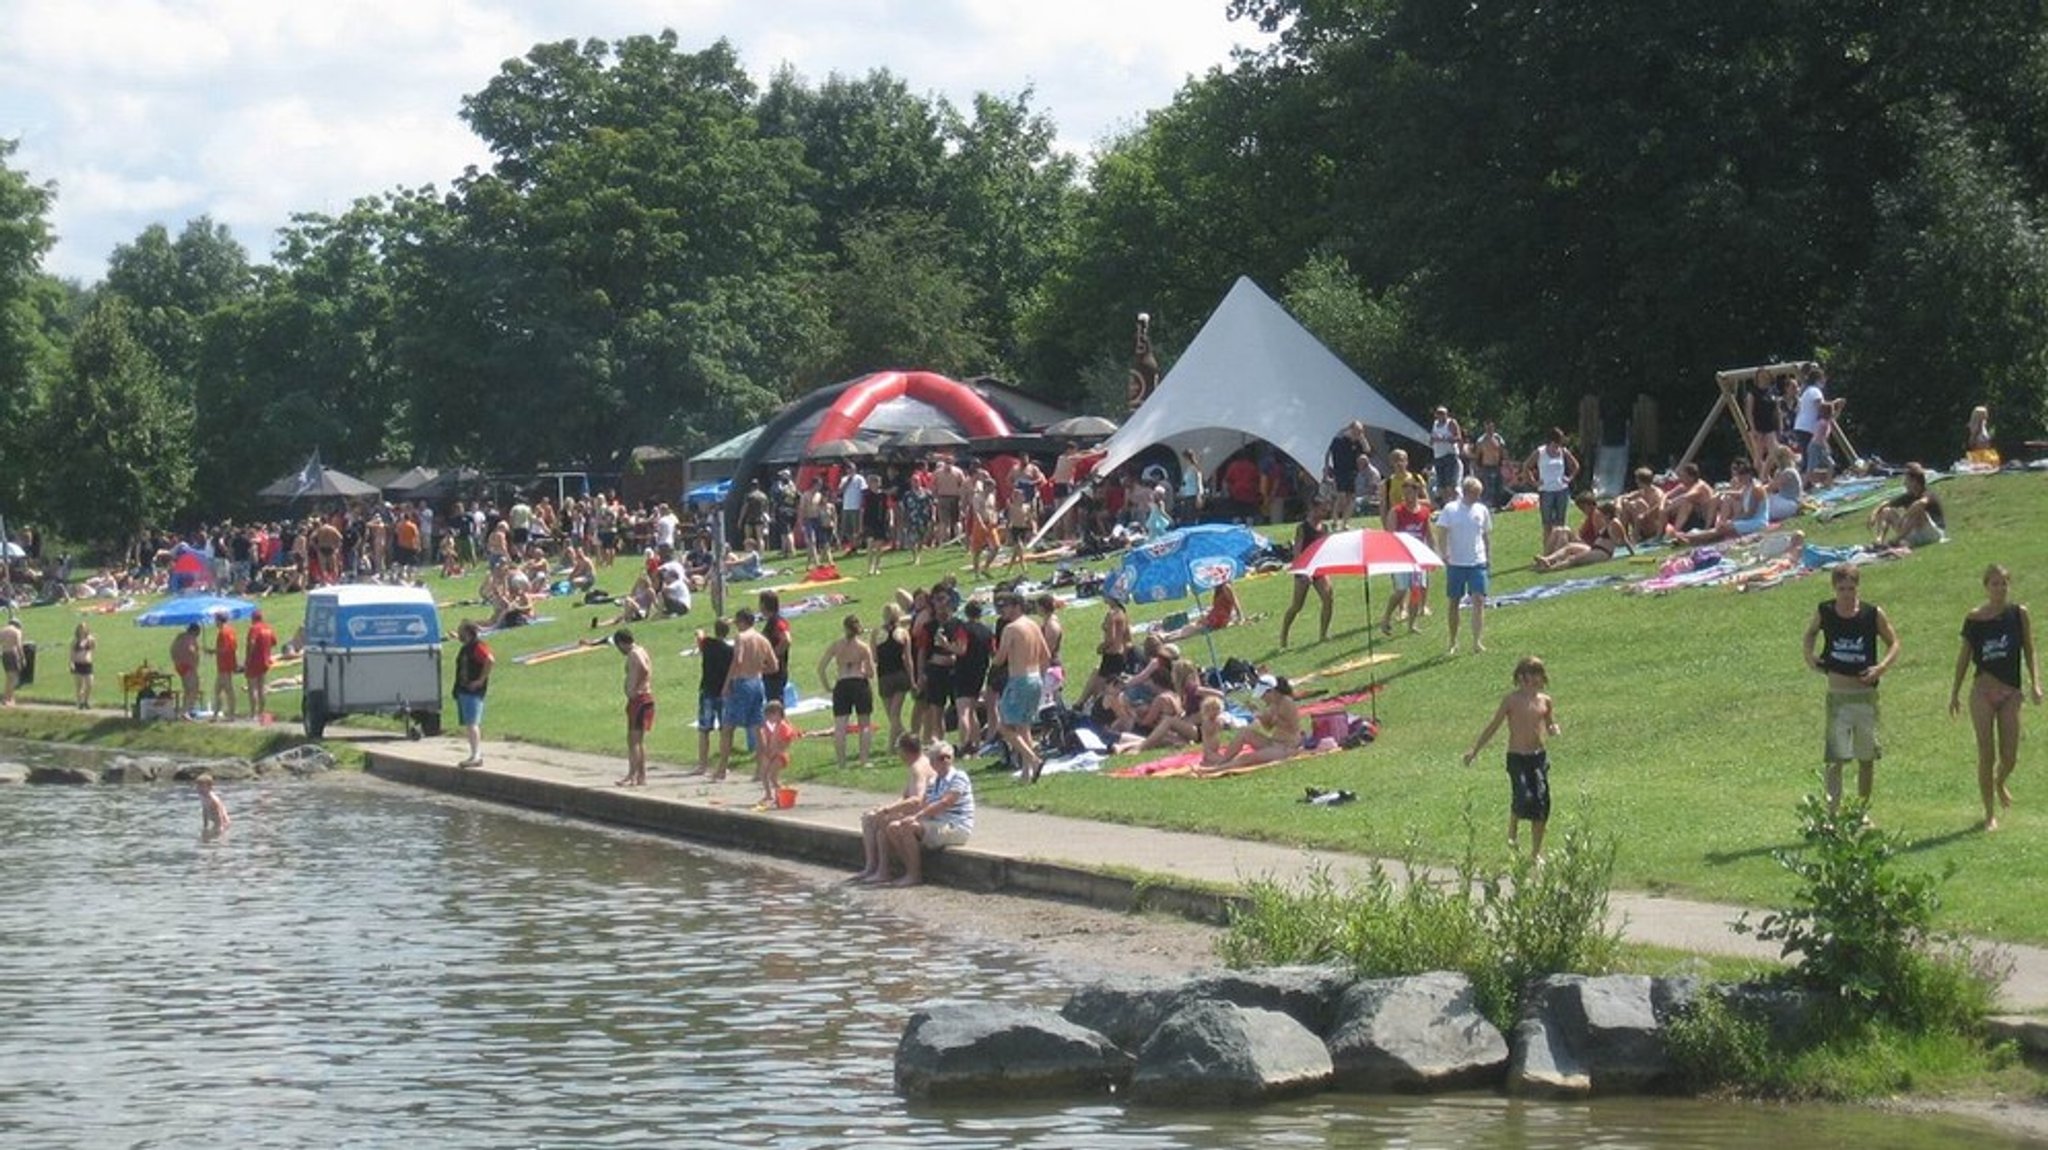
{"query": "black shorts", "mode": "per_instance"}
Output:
(1529, 776)
(893, 683)
(938, 685)
(607, 539)
(969, 679)
(853, 697)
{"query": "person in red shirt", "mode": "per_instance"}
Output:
(256, 663)
(226, 662)
(1411, 591)
(1241, 484)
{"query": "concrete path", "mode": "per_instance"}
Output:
(1035, 854)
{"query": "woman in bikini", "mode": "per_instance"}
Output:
(847, 671)
(1276, 736)
(1600, 534)
(82, 647)
(1305, 536)
(1998, 636)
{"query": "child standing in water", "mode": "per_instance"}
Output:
(213, 813)
(1531, 718)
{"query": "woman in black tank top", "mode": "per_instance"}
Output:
(892, 669)
(1998, 638)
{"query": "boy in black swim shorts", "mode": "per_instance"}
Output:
(1531, 718)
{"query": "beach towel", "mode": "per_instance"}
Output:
(1326, 747)
(559, 651)
(1174, 764)
(1543, 591)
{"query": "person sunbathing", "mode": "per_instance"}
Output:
(637, 605)
(1169, 719)
(1788, 488)
(1276, 736)
(1911, 519)
(582, 572)
(1600, 533)
(1641, 511)
(1223, 611)
(1741, 510)
(1213, 733)
(1692, 505)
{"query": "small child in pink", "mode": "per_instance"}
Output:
(771, 752)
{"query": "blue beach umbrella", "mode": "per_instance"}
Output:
(184, 610)
(1184, 561)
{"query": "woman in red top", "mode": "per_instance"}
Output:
(257, 662)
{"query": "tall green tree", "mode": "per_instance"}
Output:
(117, 439)
(647, 265)
(25, 362)
(172, 285)
(898, 301)
(874, 147)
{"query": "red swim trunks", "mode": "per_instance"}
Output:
(640, 713)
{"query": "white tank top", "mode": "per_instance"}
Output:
(1549, 470)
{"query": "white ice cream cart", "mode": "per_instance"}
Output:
(373, 650)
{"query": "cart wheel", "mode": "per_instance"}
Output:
(412, 726)
(430, 722)
(314, 709)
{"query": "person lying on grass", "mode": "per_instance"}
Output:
(1223, 611)
(1600, 533)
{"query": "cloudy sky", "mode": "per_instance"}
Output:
(144, 111)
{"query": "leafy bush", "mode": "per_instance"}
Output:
(1500, 927)
(1715, 1046)
(1863, 932)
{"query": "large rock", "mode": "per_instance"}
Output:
(129, 769)
(222, 770)
(1209, 1053)
(1126, 1011)
(1785, 1011)
(305, 759)
(1579, 1036)
(1308, 994)
(13, 773)
(62, 774)
(1415, 1034)
(977, 1050)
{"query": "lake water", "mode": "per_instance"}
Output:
(360, 965)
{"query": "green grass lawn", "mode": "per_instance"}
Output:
(1691, 726)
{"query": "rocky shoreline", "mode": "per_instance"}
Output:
(121, 768)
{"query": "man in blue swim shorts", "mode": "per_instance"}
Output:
(1022, 650)
(745, 696)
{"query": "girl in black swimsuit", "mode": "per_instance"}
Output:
(892, 668)
(1311, 529)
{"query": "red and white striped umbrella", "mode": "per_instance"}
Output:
(1366, 552)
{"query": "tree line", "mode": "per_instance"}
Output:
(1503, 208)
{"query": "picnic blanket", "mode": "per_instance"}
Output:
(559, 651)
(1542, 591)
(1358, 664)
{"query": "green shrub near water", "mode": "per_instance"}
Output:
(1902, 1006)
(1500, 927)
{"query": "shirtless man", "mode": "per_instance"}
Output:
(949, 483)
(1023, 651)
(185, 661)
(744, 696)
(1693, 505)
(327, 545)
(1115, 651)
(639, 685)
(10, 658)
(1642, 510)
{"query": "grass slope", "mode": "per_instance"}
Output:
(1691, 726)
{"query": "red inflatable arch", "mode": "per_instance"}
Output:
(973, 413)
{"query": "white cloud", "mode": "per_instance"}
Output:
(160, 110)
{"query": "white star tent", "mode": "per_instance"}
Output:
(1252, 372)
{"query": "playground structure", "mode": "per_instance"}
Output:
(1731, 379)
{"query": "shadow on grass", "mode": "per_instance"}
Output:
(1723, 858)
(1936, 841)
